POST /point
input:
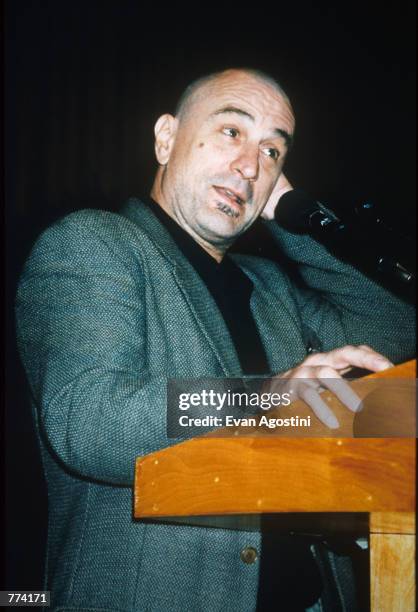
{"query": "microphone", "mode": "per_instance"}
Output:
(355, 242)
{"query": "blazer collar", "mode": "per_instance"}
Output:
(193, 288)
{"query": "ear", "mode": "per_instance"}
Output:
(165, 131)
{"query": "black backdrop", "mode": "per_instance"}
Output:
(85, 80)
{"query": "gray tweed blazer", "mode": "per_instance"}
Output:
(107, 309)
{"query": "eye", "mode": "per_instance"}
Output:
(230, 131)
(271, 152)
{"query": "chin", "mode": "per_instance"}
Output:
(223, 235)
(220, 226)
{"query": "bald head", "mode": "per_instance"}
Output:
(197, 90)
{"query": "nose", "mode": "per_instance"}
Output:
(246, 163)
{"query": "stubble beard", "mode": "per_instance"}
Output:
(227, 210)
(202, 219)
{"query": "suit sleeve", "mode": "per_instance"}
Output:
(343, 306)
(82, 339)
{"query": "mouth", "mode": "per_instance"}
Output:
(231, 201)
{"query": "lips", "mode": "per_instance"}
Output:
(230, 196)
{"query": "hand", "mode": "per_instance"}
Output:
(321, 370)
(280, 188)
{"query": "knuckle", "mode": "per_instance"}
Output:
(326, 372)
(348, 347)
(304, 372)
(313, 359)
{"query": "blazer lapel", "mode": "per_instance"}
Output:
(200, 301)
(279, 330)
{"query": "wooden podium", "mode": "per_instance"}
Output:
(229, 479)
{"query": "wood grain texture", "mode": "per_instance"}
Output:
(392, 522)
(250, 473)
(247, 475)
(392, 572)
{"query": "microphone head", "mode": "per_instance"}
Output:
(293, 211)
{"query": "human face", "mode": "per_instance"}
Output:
(224, 157)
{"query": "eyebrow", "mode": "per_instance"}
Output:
(239, 111)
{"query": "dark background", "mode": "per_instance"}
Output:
(85, 81)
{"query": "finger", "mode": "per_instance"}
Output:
(358, 356)
(282, 185)
(378, 356)
(320, 409)
(342, 390)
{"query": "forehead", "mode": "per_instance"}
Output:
(258, 98)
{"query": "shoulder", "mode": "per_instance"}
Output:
(112, 228)
(90, 236)
(101, 223)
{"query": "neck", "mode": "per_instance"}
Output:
(217, 252)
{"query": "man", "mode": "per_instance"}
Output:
(111, 306)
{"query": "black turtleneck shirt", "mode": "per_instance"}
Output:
(231, 289)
